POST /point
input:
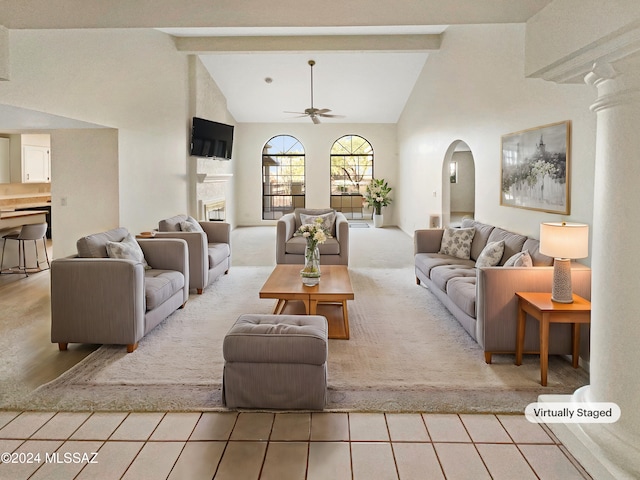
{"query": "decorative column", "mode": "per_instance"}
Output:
(615, 318)
(4, 53)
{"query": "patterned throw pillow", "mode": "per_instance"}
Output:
(191, 225)
(328, 219)
(520, 259)
(491, 254)
(127, 249)
(457, 242)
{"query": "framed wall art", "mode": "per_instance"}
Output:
(535, 168)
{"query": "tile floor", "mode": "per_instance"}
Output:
(248, 445)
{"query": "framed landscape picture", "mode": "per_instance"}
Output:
(535, 168)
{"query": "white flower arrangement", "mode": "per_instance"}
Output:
(377, 195)
(315, 234)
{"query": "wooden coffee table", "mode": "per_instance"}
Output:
(328, 298)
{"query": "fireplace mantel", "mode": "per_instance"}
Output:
(215, 178)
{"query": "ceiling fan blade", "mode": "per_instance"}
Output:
(315, 119)
(322, 110)
(330, 116)
(297, 113)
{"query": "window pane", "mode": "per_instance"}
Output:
(283, 177)
(351, 172)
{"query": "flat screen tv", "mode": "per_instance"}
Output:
(211, 139)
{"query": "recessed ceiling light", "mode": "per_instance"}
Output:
(268, 80)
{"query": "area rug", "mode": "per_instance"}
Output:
(406, 353)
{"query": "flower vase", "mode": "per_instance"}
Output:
(378, 220)
(311, 272)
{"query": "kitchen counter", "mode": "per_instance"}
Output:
(12, 219)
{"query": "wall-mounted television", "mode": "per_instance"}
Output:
(211, 139)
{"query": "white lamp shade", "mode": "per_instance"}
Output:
(564, 240)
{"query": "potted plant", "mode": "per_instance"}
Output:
(377, 196)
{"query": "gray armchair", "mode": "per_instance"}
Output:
(290, 249)
(209, 250)
(97, 299)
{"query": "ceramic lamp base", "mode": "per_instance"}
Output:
(561, 291)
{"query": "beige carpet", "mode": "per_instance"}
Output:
(406, 353)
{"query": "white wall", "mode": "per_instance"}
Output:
(463, 192)
(474, 90)
(130, 80)
(317, 140)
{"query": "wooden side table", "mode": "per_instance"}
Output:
(540, 306)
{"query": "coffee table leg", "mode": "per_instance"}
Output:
(345, 318)
(544, 348)
(575, 344)
(311, 307)
(522, 318)
(280, 304)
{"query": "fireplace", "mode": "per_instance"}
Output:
(213, 210)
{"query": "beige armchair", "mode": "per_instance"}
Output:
(290, 249)
(209, 249)
(97, 299)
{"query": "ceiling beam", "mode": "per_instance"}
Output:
(378, 43)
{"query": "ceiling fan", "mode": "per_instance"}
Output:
(315, 113)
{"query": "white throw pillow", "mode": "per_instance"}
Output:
(191, 225)
(457, 242)
(328, 219)
(491, 254)
(520, 259)
(127, 249)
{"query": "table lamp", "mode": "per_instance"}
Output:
(564, 242)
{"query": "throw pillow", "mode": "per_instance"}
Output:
(491, 254)
(520, 259)
(328, 219)
(127, 249)
(191, 225)
(457, 242)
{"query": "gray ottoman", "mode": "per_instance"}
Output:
(276, 362)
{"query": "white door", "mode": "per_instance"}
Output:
(35, 164)
(5, 161)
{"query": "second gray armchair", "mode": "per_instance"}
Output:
(209, 247)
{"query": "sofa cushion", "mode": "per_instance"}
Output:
(520, 259)
(190, 225)
(462, 292)
(327, 220)
(315, 212)
(218, 253)
(95, 246)
(538, 259)
(441, 275)
(171, 224)
(480, 238)
(160, 285)
(491, 254)
(296, 246)
(513, 242)
(425, 262)
(457, 242)
(127, 249)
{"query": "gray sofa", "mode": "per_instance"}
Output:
(209, 250)
(97, 299)
(483, 299)
(290, 249)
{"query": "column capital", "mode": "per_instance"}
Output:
(617, 83)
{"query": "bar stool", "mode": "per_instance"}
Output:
(33, 232)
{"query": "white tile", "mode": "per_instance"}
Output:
(485, 428)
(417, 460)
(407, 427)
(214, 426)
(9, 445)
(137, 426)
(285, 461)
(71, 458)
(99, 426)
(445, 428)
(176, 426)
(505, 462)
(241, 460)
(291, 426)
(62, 426)
(198, 461)
(549, 462)
(329, 426)
(461, 461)
(367, 427)
(6, 417)
(25, 424)
(373, 460)
(522, 430)
(155, 460)
(114, 458)
(253, 426)
(329, 460)
(29, 457)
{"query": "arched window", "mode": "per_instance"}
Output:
(351, 172)
(282, 176)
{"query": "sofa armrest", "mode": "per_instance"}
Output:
(97, 298)
(168, 254)
(197, 252)
(427, 241)
(497, 305)
(217, 232)
(285, 228)
(342, 236)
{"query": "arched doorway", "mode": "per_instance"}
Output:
(458, 184)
